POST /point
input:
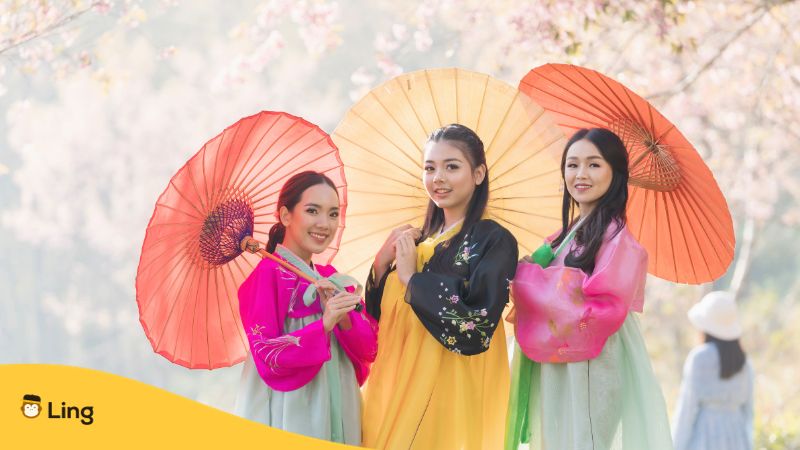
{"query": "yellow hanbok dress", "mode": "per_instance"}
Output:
(425, 390)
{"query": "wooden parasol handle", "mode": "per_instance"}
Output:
(249, 244)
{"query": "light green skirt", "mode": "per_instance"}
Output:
(610, 402)
(310, 410)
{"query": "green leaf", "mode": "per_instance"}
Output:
(573, 49)
(628, 15)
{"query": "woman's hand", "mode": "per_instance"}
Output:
(325, 290)
(387, 252)
(336, 309)
(405, 257)
(527, 259)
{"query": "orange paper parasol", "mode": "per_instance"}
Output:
(192, 262)
(675, 209)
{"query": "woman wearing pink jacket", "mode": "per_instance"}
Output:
(582, 377)
(310, 349)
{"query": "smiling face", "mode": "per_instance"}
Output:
(587, 175)
(30, 410)
(449, 177)
(312, 223)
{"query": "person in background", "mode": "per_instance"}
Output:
(715, 406)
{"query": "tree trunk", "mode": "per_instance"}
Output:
(743, 260)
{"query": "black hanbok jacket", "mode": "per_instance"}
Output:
(460, 294)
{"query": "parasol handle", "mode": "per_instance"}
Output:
(249, 244)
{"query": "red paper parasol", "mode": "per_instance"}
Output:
(675, 208)
(192, 263)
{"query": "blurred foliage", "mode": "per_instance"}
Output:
(780, 434)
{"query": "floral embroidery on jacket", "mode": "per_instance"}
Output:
(286, 275)
(269, 349)
(473, 322)
(449, 341)
(460, 302)
(464, 253)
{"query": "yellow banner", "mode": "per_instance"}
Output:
(53, 406)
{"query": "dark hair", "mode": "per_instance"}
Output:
(610, 207)
(731, 356)
(471, 146)
(290, 195)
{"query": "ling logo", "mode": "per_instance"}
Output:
(31, 406)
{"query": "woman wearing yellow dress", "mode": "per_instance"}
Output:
(441, 377)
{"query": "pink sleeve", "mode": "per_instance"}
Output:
(285, 361)
(360, 342)
(563, 315)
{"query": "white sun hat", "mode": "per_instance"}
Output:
(717, 315)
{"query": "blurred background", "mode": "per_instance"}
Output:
(102, 101)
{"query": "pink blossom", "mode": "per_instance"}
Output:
(102, 6)
(422, 40)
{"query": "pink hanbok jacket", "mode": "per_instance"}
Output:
(288, 361)
(564, 315)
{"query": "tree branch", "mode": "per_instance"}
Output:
(690, 79)
(612, 68)
(48, 29)
(743, 261)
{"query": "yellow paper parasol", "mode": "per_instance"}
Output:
(381, 140)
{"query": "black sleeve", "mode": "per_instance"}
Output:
(373, 292)
(463, 312)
